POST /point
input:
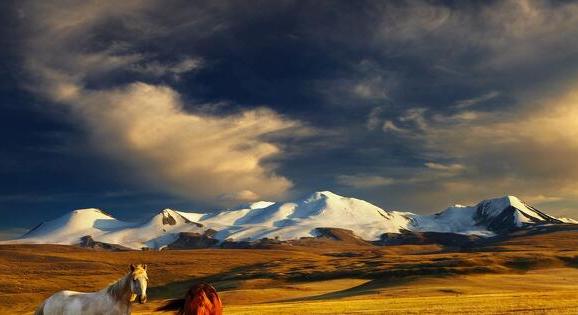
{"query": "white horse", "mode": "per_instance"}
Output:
(113, 300)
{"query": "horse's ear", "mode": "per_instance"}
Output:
(132, 267)
(144, 266)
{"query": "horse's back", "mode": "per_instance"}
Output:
(57, 303)
(65, 303)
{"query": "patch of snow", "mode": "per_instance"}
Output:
(568, 220)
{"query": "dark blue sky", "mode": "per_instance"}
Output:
(417, 105)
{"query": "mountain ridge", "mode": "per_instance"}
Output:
(288, 221)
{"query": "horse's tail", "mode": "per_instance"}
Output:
(40, 309)
(172, 305)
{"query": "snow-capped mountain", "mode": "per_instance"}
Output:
(158, 231)
(288, 221)
(67, 228)
(488, 217)
(293, 220)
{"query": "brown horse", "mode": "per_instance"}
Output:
(201, 299)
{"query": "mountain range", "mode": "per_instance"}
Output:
(284, 221)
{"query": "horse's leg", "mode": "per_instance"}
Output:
(120, 309)
(106, 305)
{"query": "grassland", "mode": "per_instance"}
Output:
(526, 274)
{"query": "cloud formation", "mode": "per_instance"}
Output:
(476, 100)
(364, 181)
(530, 151)
(193, 155)
(505, 34)
(175, 69)
(452, 168)
(200, 156)
(445, 101)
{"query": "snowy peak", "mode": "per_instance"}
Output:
(304, 217)
(509, 212)
(160, 230)
(66, 228)
(168, 217)
(322, 195)
(69, 229)
(252, 205)
(259, 205)
(494, 207)
(326, 203)
(82, 219)
(301, 218)
(90, 211)
(85, 216)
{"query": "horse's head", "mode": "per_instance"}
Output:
(138, 283)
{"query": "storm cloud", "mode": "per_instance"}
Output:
(411, 105)
(194, 155)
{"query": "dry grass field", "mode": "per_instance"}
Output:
(526, 274)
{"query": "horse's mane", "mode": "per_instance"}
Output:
(119, 288)
(200, 299)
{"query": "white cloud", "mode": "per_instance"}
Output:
(367, 84)
(195, 155)
(374, 119)
(411, 121)
(371, 89)
(244, 195)
(390, 126)
(452, 168)
(476, 100)
(415, 117)
(529, 151)
(175, 69)
(502, 35)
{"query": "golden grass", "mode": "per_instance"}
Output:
(472, 304)
(534, 274)
(544, 291)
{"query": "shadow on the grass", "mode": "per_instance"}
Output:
(224, 281)
(368, 288)
(377, 278)
(233, 278)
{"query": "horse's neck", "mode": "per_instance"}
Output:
(120, 291)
